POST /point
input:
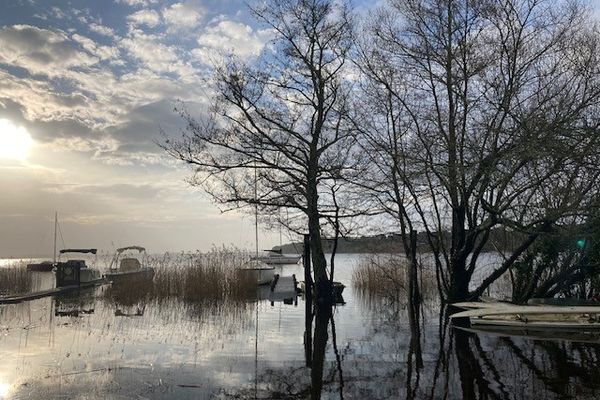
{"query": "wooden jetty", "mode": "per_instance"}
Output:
(284, 288)
(44, 293)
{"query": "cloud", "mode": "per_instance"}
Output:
(181, 16)
(146, 17)
(230, 37)
(102, 52)
(41, 50)
(101, 29)
(155, 55)
(136, 3)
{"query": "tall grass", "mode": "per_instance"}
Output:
(190, 277)
(15, 279)
(387, 276)
(202, 276)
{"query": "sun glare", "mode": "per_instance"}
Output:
(4, 390)
(15, 141)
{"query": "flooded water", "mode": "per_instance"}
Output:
(107, 344)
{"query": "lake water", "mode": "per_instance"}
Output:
(93, 346)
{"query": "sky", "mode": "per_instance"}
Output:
(85, 88)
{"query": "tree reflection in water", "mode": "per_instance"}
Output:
(409, 355)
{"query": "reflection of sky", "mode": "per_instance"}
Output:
(168, 343)
(174, 351)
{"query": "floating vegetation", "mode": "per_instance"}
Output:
(15, 279)
(387, 276)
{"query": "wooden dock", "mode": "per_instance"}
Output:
(284, 288)
(44, 293)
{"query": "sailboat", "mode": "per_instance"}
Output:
(256, 269)
(46, 266)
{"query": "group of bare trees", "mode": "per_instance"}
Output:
(452, 117)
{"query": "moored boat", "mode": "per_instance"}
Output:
(534, 316)
(277, 257)
(126, 265)
(75, 271)
(257, 271)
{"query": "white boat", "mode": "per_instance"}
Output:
(257, 271)
(128, 264)
(277, 257)
(75, 271)
(541, 316)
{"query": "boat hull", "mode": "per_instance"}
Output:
(278, 260)
(143, 273)
(262, 276)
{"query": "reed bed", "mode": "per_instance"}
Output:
(190, 277)
(387, 276)
(202, 276)
(15, 279)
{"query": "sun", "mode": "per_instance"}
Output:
(15, 141)
(4, 390)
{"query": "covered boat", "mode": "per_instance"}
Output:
(128, 263)
(75, 271)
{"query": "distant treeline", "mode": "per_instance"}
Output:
(500, 239)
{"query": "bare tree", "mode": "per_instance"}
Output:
(480, 114)
(277, 136)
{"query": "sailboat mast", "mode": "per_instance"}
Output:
(55, 226)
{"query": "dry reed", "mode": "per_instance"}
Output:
(15, 279)
(191, 277)
(387, 276)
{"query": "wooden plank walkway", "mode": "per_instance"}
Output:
(43, 293)
(283, 288)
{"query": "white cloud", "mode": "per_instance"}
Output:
(40, 50)
(102, 30)
(231, 37)
(156, 56)
(145, 17)
(181, 16)
(135, 3)
(85, 144)
(102, 52)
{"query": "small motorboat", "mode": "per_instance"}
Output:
(75, 272)
(277, 257)
(127, 264)
(257, 271)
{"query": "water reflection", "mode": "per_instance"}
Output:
(140, 343)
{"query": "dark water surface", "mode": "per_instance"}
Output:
(100, 345)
